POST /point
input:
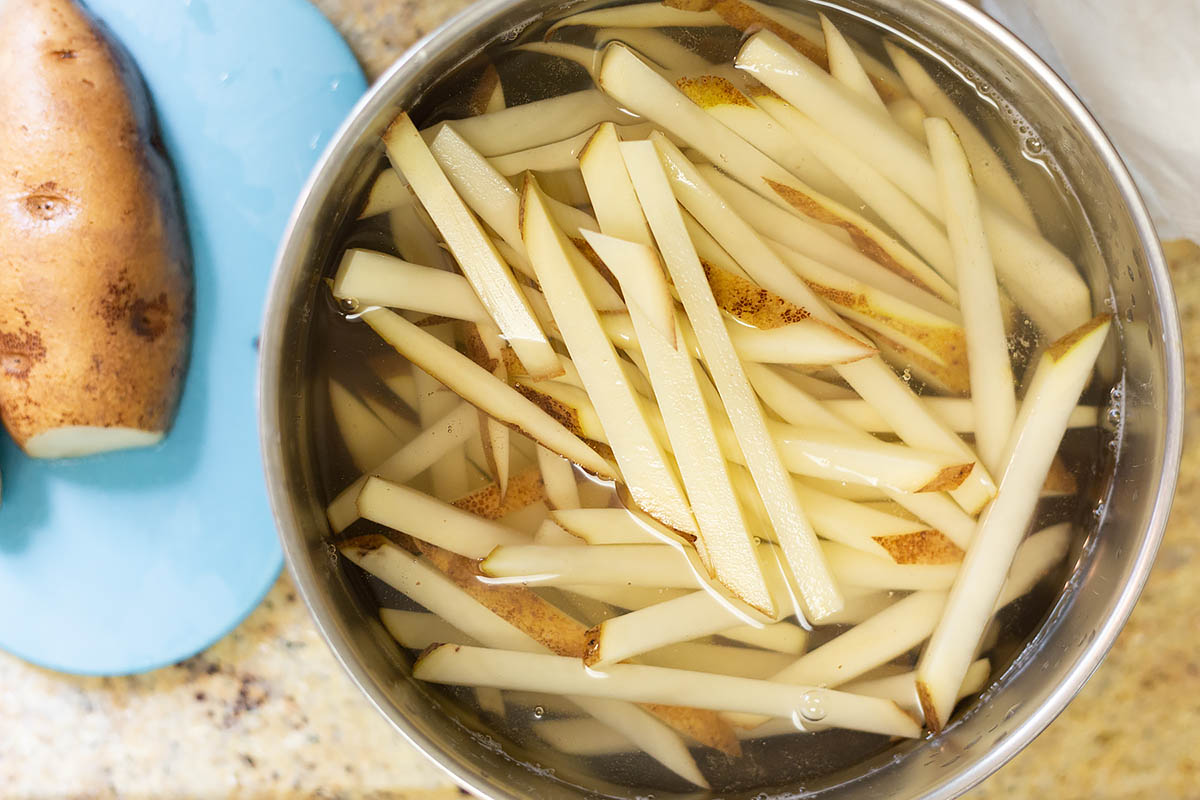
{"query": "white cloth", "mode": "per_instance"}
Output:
(1136, 64)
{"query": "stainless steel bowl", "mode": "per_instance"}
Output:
(1111, 567)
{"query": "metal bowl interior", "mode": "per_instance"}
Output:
(1109, 570)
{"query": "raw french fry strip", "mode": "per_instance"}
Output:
(725, 544)
(469, 666)
(804, 342)
(992, 392)
(871, 378)
(552, 533)
(1060, 376)
(376, 279)
(367, 439)
(429, 519)
(745, 662)
(908, 115)
(604, 526)
(387, 192)
(680, 620)
(625, 597)
(856, 568)
(634, 84)
(440, 595)
(409, 461)
(728, 105)
(483, 389)
(844, 65)
(537, 123)
(1041, 279)
(956, 413)
(559, 478)
(791, 528)
(417, 630)
(887, 635)
(902, 689)
(487, 272)
(492, 197)
(645, 469)
(449, 473)
(896, 208)
(807, 239)
(613, 565)
(582, 737)
(662, 49)
(413, 233)
(989, 169)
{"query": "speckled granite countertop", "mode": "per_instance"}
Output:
(267, 712)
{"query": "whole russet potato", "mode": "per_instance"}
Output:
(95, 274)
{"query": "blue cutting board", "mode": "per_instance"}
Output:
(125, 562)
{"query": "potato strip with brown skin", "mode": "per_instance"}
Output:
(524, 488)
(545, 622)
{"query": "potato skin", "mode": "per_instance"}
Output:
(95, 273)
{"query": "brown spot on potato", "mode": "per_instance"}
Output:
(46, 202)
(525, 488)
(64, 55)
(149, 318)
(19, 352)
(708, 91)
(921, 547)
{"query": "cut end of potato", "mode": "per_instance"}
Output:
(928, 709)
(86, 440)
(949, 478)
(920, 547)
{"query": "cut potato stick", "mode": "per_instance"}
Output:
(806, 342)
(368, 441)
(490, 503)
(613, 199)
(902, 689)
(745, 662)
(782, 637)
(861, 605)
(799, 31)
(956, 413)
(583, 737)
(871, 378)
(449, 473)
(933, 343)
(417, 630)
(808, 239)
(869, 644)
(992, 388)
(409, 511)
(612, 565)
(626, 597)
(402, 428)
(561, 155)
(558, 476)
(844, 65)
(1035, 557)
(945, 518)
(720, 98)
(483, 389)
(413, 233)
(634, 84)
(855, 568)
(708, 250)
(725, 544)
(387, 192)
(446, 599)
(792, 530)
(376, 279)
(461, 665)
(1042, 280)
(605, 526)
(892, 205)
(680, 620)
(909, 115)
(409, 461)
(656, 45)
(644, 467)
(551, 533)
(496, 449)
(875, 532)
(991, 174)
(537, 123)
(1060, 377)
(483, 267)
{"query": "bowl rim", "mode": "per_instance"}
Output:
(378, 97)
